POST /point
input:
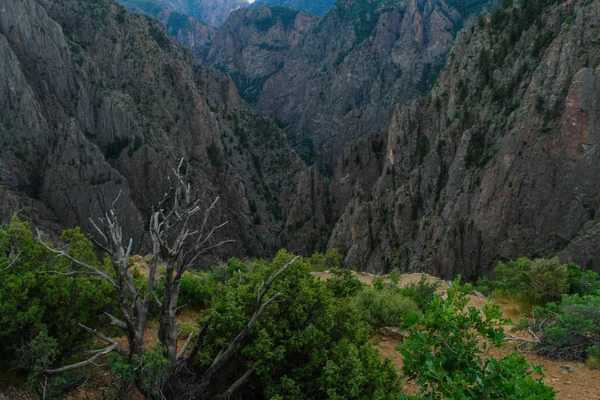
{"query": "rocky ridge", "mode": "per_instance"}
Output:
(330, 81)
(500, 160)
(210, 12)
(317, 7)
(99, 104)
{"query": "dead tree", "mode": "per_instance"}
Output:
(181, 232)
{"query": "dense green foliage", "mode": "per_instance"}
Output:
(312, 343)
(148, 373)
(35, 298)
(566, 315)
(422, 292)
(387, 305)
(573, 329)
(384, 307)
(309, 344)
(539, 281)
(445, 354)
(40, 309)
(343, 283)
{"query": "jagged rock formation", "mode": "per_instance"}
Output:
(500, 160)
(188, 31)
(318, 7)
(331, 81)
(254, 43)
(211, 12)
(95, 102)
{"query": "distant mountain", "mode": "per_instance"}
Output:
(318, 7)
(330, 81)
(210, 12)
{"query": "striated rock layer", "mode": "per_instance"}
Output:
(500, 160)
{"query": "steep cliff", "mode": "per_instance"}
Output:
(211, 12)
(500, 160)
(253, 45)
(331, 81)
(186, 30)
(318, 7)
(97, 102)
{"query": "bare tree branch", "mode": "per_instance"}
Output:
(84, 363)
(85, 265)
(237, 384)
(99, 335)
(532, 333)
(520, 339)
(71, 273)
(225, 354)
(189, 358)
(184, 347)
(116, 322)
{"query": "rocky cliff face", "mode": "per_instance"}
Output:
(500, 160)
(211, 12)
(254, 44)
(317, 7)
(331, 81)
(188, 31)
(97, 102)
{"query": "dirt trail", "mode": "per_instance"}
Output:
(572, 380)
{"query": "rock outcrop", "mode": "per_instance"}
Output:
(96, 104)
(333, 80)
(500, 160)
(254, 44)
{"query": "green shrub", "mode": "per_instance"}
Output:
(344, 283)
(196, 290)
(309, 344)
(36, 301)
(593, 356)
(444, 354)
(582, 282)
(573, 331)
(513, 276)
(548, 279)
(422, 292)
(383, 308)
(395, 277)
(539, 281)
(323, 262)
(484, 286)
(378, 283)
(148, 372)
(185, 330)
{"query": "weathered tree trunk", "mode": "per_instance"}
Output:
(181, 250)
